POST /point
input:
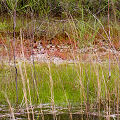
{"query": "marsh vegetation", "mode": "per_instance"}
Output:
(59, 59)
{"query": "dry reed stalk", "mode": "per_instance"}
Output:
(74, 29)
(103, 77)
(109, 37)
(114, 10)
(36, 89)
(24, 90)
(11, 109)
(117, 91)
(96, 70)
(28, 84)
(118, 105)
(117, 101)
(80, 81)
(14, 41)
(80, 74)
(81, 88)
(108, 105)
(107, 96)
(52, 92)
(88, 104)
(32, 53)
(38, 98)
(109, 42)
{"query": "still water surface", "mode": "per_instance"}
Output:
(60, 113)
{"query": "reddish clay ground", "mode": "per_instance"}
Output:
(60, 46)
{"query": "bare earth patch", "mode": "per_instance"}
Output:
(57, 51)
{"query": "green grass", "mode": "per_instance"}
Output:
(66, 83)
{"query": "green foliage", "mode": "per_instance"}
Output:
(3, 25)
(61, 7)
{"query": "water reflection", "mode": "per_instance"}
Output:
(61, 113)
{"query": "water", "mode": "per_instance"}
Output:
(60, 113)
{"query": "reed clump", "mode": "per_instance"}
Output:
(78, 82)
(92, 86)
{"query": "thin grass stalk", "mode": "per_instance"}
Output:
(68, 103)
(114, 11)
(52, 91)
(107, 96)
(103, 77)
(99, 87)
(10, 107)
(108, 104)
(28, 84)
(42, 114)
(88, 101)
(118, 104)
(14, 55)
(24, 90)
(32, 41)
(74, 29)
(82, 26)
(81, 84)
(71, 51)
(109, 37)
(117, 91)
(36, 89)
(109, 41)
(81, 90)
(117, 101)
(33, 73)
